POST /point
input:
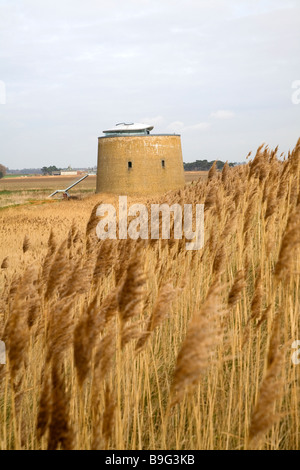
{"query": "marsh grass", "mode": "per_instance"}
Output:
(144, 345)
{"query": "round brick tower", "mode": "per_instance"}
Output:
(131, 161)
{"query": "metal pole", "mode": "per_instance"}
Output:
(72, 185)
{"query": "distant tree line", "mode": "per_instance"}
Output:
(204, 165)
(25, 171)
(47, 170)
(39, 171)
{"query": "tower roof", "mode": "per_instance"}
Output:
(124, 127)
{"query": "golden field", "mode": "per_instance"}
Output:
(123, 344)
(30, 190)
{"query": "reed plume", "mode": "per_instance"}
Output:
(236, 289)
(16, 333)
(195, 355)
(26, 244)
(57, 272)
(159, 314)
(131, 294)
(60, 328)
(88, 329)
(264, 415)
(4, 264)
(289, 244)
(212, 172)
(60, 428)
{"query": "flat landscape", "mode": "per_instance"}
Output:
(31, 190)
(45, 182)
(22, 190)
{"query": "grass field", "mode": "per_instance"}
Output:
(123, 344)
(29, 190)
(22, 190)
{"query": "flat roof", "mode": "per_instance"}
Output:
(131, 127)
(134, 135)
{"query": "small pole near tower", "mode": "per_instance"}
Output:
(65, 191)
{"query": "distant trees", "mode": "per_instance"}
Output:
(2, 171)
(204, 165)
(47, 170)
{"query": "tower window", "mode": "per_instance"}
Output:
(129, 165)
(163, 164)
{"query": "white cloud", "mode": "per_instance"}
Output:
(222, 114)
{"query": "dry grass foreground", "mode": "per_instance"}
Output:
(144, 345)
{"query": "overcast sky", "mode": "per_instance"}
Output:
(219, 72)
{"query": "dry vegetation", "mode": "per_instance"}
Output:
(36, 189)
(144, 345)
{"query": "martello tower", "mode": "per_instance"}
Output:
(133, 161)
